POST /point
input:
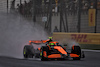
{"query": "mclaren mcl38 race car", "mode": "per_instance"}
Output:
(51, 50)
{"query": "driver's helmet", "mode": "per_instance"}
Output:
(51, 44)
(50, 37)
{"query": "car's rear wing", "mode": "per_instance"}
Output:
(37, 41)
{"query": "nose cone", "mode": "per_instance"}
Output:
(61, 50)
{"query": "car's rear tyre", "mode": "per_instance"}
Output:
(28, 51)
(76, 50)
(44, 48)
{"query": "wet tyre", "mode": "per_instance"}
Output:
(76, 50)
(44, 48)
(28, 51)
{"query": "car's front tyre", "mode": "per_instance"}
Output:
(28, 51)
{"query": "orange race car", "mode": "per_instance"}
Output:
(48, 49)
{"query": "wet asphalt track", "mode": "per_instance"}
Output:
(92, 59)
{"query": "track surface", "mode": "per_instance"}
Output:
(92, 59)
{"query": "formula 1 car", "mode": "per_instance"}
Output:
(52, 50)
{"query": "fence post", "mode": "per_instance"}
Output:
(50, 15)
(33, 11)
(95, 16)
(7, 6)
(20, 2)
(79, 15)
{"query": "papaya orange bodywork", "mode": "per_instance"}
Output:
(35, 41)
(60, 49)
(38, 41)
(44, 54)
(73, 47)
(39, 49)
(49, 47)
(44, 41)
(54, 56)
(74, 55)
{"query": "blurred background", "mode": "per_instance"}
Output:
(57, 15)
(24, 20)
